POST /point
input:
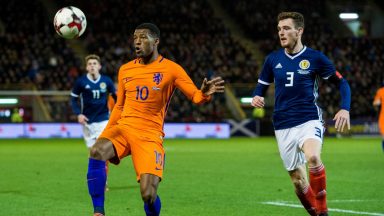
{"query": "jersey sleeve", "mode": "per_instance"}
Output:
(326, 68)
(266, 75)
(186, 85)
(76, 91)
(119, 105)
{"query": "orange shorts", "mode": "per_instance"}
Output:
(145, 147)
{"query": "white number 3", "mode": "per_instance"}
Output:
(290, 79)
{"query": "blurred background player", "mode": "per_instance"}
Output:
(378, 102)
(297, 118)
(145, 88)
(90, 100)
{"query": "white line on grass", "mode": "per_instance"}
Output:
(330, 209)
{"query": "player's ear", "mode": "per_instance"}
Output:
(300, 31)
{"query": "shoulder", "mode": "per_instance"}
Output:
(81, 79)
(315, 53)
(105, 77)
(171, 65)
(129, 64)
(274, 55)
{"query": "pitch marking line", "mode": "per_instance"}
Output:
(330, 209)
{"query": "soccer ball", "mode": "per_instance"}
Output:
(70, 22)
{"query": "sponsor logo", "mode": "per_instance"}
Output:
(303, 72)
(278, 66)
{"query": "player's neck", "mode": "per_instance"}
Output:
(149, 59)
(295, 48)
(93, 77)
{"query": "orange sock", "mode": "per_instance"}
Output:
(307, 198)
(317, 179)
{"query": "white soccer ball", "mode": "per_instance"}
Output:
(70, 22)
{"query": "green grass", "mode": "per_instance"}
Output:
(202, 177)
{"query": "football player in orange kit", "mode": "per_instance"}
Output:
(145, 88)
(379, 102)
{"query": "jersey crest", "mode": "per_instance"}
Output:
(103, 87)
(157, 77)
(304, 64)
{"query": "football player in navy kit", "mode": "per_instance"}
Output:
(295, 70)
(89, 99)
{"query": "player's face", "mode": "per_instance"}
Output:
(93, 66)
(288, 34)
(144, 43)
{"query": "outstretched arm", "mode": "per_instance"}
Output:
(342, 117)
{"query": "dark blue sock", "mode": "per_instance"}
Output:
(96, 179)
(154, 208)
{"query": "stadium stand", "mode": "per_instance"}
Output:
(32, 55)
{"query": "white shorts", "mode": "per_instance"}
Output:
(92, 131)
(291, 140)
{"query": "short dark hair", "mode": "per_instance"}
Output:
(153, 29)
(298, 18)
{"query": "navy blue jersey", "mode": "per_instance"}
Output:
(93, 96)
(296, 85)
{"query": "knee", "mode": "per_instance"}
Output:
(96, 152)
(148, 196)
(314, 160)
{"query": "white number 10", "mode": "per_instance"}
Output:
(290, 79)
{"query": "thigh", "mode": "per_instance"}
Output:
(148, 154)
(311, 132)
(289, 148)
(87, 135)
(118, 136)
(98, 128)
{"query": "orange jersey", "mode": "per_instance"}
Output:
(144, 93)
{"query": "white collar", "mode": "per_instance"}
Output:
(94, 81)
(292, 57)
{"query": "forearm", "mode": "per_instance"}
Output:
(345, 92)
(260, 90)
(75, 105)
(199, 98)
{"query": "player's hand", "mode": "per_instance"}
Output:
(212, 86)
(82, 119)
(342, 120)
(258, 102)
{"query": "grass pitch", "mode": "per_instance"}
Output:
(238, 176)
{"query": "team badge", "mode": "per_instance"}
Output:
(103, 85)
(304, 64)
(157, 77)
